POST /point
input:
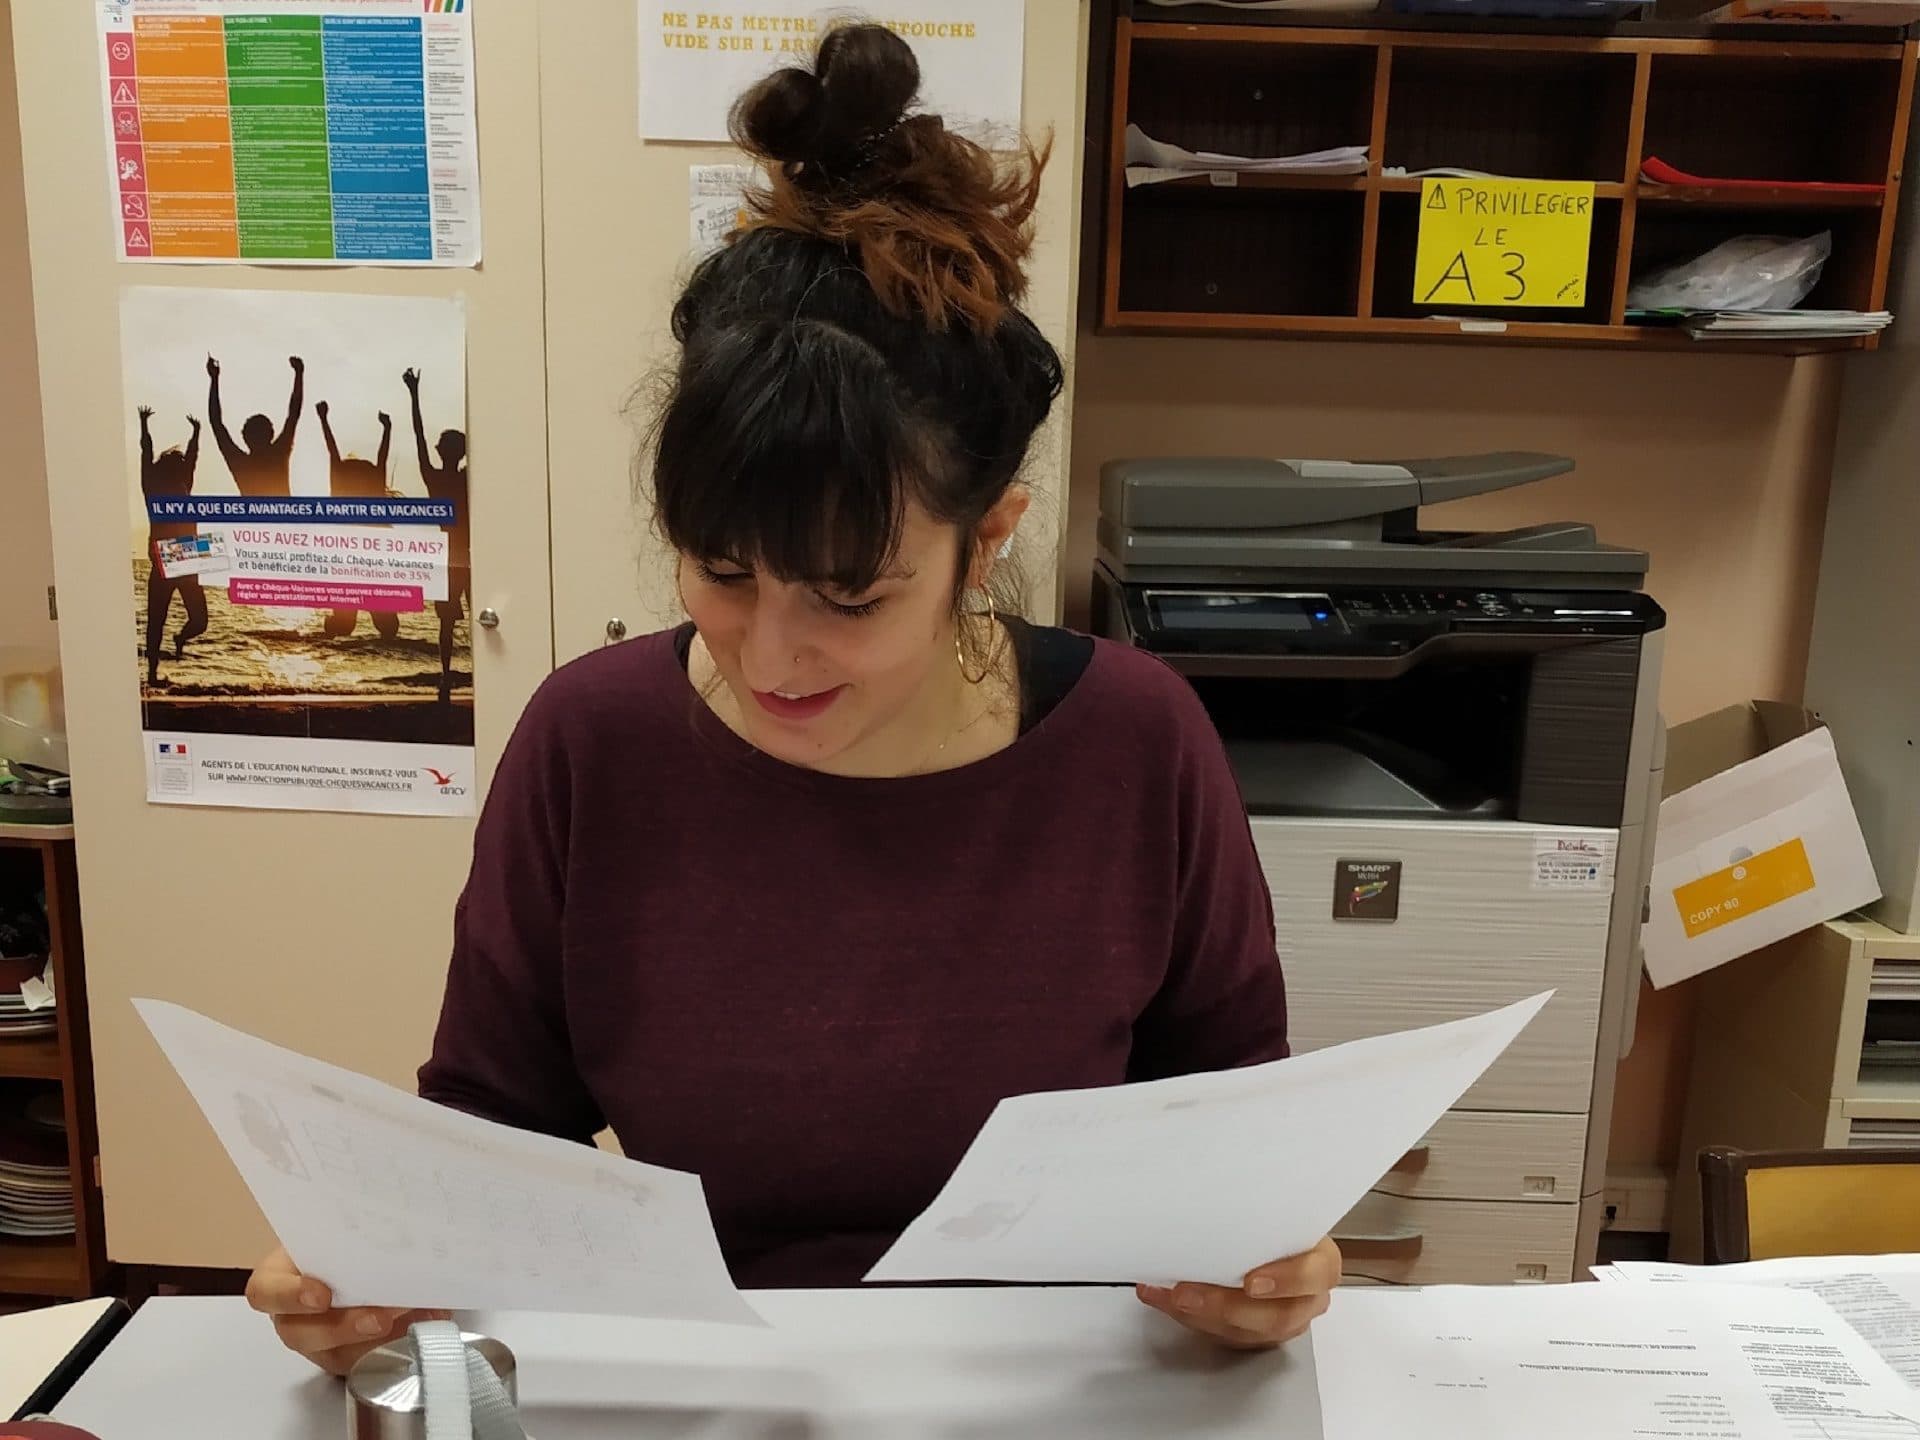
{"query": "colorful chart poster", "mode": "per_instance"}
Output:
(296, 132)
(696, 59)
(299, 531)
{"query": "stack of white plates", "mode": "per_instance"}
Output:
(36, 1195)
(15, 1018)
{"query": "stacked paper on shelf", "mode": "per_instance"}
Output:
(1785, 324)
(27, 1001)
(1150, 161)
(1354, 7)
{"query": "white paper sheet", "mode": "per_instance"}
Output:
(716, 200)
(1878, 1295)
(1165, 160)
(696, 60)
(393, 1200)
(1602, 1362)
(1201, 1177)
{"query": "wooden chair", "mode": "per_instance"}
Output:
(1761, 1205)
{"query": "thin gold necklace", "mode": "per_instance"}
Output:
(994, 705)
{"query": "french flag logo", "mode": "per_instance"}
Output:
(173, 751)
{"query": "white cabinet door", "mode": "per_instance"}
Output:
(325, 932)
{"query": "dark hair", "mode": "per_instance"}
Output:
(858, 344)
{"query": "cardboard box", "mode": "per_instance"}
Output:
(1757, 839)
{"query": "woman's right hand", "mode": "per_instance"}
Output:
(303, 1316)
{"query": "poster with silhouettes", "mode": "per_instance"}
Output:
(299, 542)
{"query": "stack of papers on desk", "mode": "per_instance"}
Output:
(1151, 161)
(1602, 1362)
(1878, 1295)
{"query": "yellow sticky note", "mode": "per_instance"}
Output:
(1753, 884)
(1503, 242)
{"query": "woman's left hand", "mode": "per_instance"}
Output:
(1274, 1303)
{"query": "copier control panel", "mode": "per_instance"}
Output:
(1368, 620)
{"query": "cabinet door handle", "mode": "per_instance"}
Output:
(1394, 1245)
(1413, 1162)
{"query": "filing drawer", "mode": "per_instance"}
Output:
(1457, 1242)
(1494, 1155)
(1476, 929)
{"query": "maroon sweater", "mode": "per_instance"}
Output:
(811, 990)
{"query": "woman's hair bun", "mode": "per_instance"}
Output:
(863, 79)
(941, 225)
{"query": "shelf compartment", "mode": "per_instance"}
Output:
(1269, 252)
(1665, 235)
(1748, 197)
(45, 1268)
(1244, 181)
(30, 1057)
(1762, 117)
(1393, 296)
(1254, 100)
(1505, 112)
(1525, 333)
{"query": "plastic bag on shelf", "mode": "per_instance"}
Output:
(1748, 272)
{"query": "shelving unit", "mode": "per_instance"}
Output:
(1780, 1064)
(73, 1267)
(1333, 256)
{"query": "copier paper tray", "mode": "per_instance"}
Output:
(1353, 777)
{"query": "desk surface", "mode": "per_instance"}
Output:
(955, 1364)
(35, 1343)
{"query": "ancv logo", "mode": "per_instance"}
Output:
(443, 781)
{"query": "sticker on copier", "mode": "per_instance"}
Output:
(1573, 862)
(1366, 890)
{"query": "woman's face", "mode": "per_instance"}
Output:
(816, 675)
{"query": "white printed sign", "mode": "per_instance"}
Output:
(695, 60)
(716, 203)
(335, 566)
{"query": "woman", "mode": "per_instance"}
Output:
(791, 896)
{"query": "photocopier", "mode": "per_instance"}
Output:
(1450, 751)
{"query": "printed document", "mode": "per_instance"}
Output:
(1878, 1295)
(1199, 1177)
(394, 1200)
(1602, 1362)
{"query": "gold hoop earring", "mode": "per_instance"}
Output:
(959, 649)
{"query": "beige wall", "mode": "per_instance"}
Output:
(611, 284)
(24, 531)
(1715, 464)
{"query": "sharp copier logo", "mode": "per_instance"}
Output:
(1366, 890)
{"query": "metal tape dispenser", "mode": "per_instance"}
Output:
(438, 1383)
